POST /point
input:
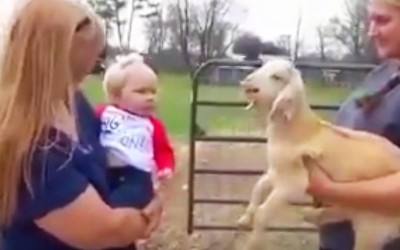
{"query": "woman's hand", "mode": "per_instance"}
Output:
(153, 213)
(378, 195)
(319, 181)
(95, 225)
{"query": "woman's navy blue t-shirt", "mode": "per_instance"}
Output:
(60, 173)
(384, 121)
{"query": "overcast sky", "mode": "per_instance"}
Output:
(271, 18)
(267, 18)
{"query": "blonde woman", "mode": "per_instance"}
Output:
(375, 107)
(53, 188)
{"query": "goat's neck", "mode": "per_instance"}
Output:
(303, 124)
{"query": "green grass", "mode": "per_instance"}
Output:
(174, 103)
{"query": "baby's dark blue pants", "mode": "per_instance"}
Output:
(131, 182)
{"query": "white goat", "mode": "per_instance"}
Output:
(295, 133)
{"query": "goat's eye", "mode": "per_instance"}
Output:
(276, 78)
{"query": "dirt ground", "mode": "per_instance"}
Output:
(172, 233)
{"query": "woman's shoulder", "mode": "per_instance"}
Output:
(382, 72)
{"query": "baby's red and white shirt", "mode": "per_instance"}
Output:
(138, 141)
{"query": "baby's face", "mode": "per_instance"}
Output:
(140, 91)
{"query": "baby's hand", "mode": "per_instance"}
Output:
(164, 178)
(165, 174)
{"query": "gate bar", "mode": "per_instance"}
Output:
(272, 229)
(239, 202)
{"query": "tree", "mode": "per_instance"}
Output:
(284, 42)
(156, 29)
(211, 28)
(249, 45)
(298, 40)
(351, 30)
(201, 31)
(321, 43)
(270, 48)
(112, 12)
(181, 29)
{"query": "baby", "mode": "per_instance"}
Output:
(137, 144)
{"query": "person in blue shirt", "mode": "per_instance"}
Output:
(374, 107)
(54, 192)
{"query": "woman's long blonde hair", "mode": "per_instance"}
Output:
(35, 80)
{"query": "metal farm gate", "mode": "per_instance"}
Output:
(195, 137)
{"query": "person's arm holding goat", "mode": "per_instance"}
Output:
(381, 195)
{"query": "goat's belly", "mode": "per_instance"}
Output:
(293, 182)
(347, 158)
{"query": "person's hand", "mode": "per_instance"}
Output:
(153, 213)
(164, 179)
(319, 181)
(165, 175)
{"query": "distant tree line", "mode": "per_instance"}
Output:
(182, 34)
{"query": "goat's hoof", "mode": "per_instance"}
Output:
(244, 222)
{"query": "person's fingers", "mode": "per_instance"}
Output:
(315, 169)
(153, 211)
(155, 220)
(154, 205)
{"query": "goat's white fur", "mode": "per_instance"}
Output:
(294, 132)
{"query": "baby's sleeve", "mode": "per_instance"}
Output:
(99, 109)
(163, 150)
(55, 182)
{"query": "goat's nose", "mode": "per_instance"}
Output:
(252, 90)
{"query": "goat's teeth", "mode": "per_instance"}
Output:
(250, 106)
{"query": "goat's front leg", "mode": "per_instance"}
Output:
(324, 215)
(258, 195)
(267, 210)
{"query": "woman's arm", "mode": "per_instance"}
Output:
(381, 195)
(89, 223)
(65, 204)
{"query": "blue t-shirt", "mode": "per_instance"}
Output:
(383, 120)
(60, 173)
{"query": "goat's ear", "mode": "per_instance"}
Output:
(282, 107)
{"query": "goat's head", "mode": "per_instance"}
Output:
(274, 88)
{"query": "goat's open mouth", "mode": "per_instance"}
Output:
(250, 91)
(250, 105)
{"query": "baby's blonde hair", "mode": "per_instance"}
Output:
(115, 76)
